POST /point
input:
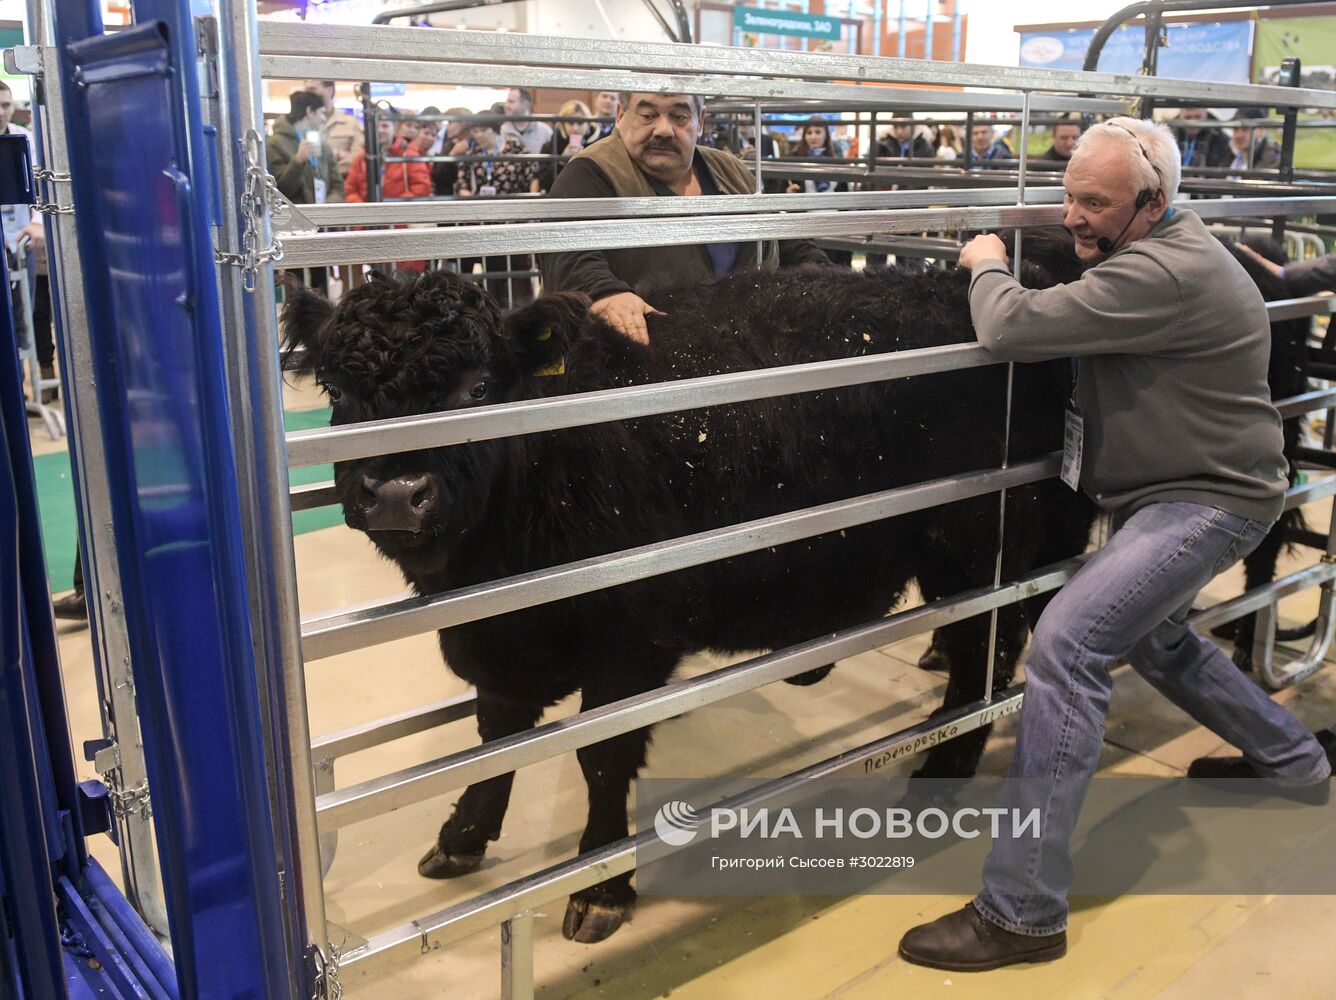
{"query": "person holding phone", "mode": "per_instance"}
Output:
(298, 160)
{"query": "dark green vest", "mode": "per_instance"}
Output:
(644, 267)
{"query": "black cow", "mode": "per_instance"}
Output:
(456, 516)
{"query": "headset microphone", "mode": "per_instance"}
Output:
(1105, 244)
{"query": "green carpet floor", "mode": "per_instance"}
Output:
(55, 497)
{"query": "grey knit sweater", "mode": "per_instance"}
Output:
(1174, 342)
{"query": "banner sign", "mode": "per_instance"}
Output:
(1216, 51)
(783, 22)
(839, 836)
(1312, 39)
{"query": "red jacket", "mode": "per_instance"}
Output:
(400, 179)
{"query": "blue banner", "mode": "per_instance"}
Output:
(1218, 51)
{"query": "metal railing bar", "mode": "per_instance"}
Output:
(1260, 597)
(318, 249)
(1309, 305)
(432, 430)
(379, 795)
(309, 41)
(323, 249)
(534, 891)
(497, 75)
(322, 494)
(1297, 496)
(1306, 402)
(313, 495)
(531, 209)
(418, 720)
(393, 727)
(344, 631)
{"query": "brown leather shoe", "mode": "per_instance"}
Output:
(965, 942)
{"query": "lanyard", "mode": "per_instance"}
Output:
(1189, 150)
(487, 164)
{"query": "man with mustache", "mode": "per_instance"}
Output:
(654, 151)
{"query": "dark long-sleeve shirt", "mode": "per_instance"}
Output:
(1308, 277)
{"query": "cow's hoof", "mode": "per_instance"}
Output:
(436, 863)
(934, 660)
(810, 676)
(591, 920)
(1243, 659)
(1229, 630)
(928, 789)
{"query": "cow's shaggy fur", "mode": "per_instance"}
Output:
(415, 344)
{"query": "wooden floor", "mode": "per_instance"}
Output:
(791, 948)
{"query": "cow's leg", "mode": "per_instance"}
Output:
(477, 816)
(609, 767)
(1259, 567)
(933, 658)
(964, 644)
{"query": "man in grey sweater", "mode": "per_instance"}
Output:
(1171, 429)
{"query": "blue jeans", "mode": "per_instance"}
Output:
(1129, 601)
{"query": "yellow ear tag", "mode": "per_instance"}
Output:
(557, 367)
(545, 334)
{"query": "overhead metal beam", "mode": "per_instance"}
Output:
(309, 41)
(437, 71)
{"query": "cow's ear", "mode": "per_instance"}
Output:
(539, 336)
(304, 313)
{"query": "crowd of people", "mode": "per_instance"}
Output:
(316, 155)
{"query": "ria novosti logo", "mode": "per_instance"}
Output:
(677, 823)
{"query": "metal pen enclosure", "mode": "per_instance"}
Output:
(69, 931)
(142, 207)
(192, 554)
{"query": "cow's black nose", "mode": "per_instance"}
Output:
(403, 503)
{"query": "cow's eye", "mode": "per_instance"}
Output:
(479, 391)
(334, 393)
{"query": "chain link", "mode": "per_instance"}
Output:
(48, 205)
(259, 197)
(327, 985)
(129, 800)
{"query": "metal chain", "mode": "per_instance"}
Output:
(48, 205)
(327, 985)
(128, 800)
(260, 196)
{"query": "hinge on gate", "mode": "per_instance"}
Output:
(24, 60)
(206, 48)
(206, 35)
